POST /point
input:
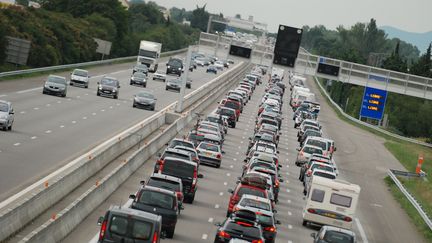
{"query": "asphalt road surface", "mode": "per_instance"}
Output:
(50, 131)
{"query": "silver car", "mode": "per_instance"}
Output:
(6, 115)
(80, 77)
(56, 85)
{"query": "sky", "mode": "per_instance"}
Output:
(408, 15)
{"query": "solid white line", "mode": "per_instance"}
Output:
(28, 90)
(361, 230)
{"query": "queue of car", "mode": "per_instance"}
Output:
(329, 201)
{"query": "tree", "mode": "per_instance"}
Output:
(395, 62)
(199, 18)
(424, 64)
(3, 42)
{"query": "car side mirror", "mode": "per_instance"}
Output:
(142, 182)
(245, 160)
(279, 166)
(277, 152)
(11, 112)
(118, 86)
(281, 180)
(275, 211)
(98, 83)
(313, 235)
(159, 154)
(231, 191)
(200, 176)
(334, 149)
(298, 149)
(218, 224)
(100, 220)
(223, 152)
(155, 98)
(132, 196)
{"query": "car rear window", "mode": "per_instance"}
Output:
(175, 155)
(250, 191)
(340, 200)
(317, 195)
(141, 230)
(208, 146)
(317, 143)
(242, 229)
(118, 225)
(181, 143)
(156, 198)
(232, 105)
(165, 184)
(178, 169)
(325, 175)
(255, 204)
(322, 167)
(338, 237)
(264, 219)
(311, 150)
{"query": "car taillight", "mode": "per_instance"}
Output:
(155, 237)
(102, 230)
(218, 156)
(257, 241)
(277, 162)
(270, 229)
(311, 210)
(347, 219)
(224, 234)
(277, 183)
(194, 181)
(244, 224)
(309, 173)
(235, 209)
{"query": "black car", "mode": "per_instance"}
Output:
(55, 85)
(138, 78)
(145, 100)
(230, 115)
(142, 68)
(158, 201)
(211, 69)
(240, 225)
(129, 225)
(185, 170)
(175, 66)
(108, 86)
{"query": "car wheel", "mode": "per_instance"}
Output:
(170, 233)
(130, 82)
(234, 125)
(153, 108)
(218, 166)
(133, 104)
(97, 93)
(71, 84)
(166, 88)
(43, 91)
(228, 214)
(115, 96)
(64, 95)
(153, 78)
(144, 85)
(10, 127)
(305, 223)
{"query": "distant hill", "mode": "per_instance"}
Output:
(421, 40)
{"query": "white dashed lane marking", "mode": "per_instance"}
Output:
(73, 122)
(48, 131)
(62, 126)
(204, 237)
(17, 144)
(289, 213)
(210, 220)
(34, 137)
(217, 206)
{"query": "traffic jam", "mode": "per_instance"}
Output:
(251, 216)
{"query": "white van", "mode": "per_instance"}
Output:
(331, 202)
(297, 89)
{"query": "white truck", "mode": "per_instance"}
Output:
(148, 54)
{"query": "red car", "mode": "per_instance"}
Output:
(233, 105)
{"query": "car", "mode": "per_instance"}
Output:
(175, 66)
(230, 61)
(210, 154)
(108, 86)
(233, 104)
(180, 142)
(80, 77)
(142, 68)
(172, 153)
(215, 118)
(138, 78)
(187, 171)
(171, 183)
(7, 115)
(305, 153)
(200, 61)
(193, 152)
(252, 185)
(229, 114)
(55, 85)
(159, 76)
(158, 201)
(211, 69)
(120, 224)
(328, 234)
(219, 65)
(144, 99)
(241, 225)
(173, 84)
(308, 133)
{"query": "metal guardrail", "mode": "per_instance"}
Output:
(83, 64)
(412, 200)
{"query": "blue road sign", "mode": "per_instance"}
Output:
(373, 103)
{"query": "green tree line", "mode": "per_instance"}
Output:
(408, 116)
(62, 31)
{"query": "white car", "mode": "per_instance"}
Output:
(306, 152)
(219, 65)
(159, 76)
(80, 77)
(209, 153)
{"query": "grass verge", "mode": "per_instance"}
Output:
(407, 154)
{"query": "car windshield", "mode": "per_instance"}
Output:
(312, 150)
(251, 191)
(178, 169)
(176, 81)
(4, 107)
(338, 237)
(156, 198)
(175, 62)
(139, 75)
(109, 82)
(81, 73)
(249, 202)
(209, 146)
(145, 95)
(57, 80)
(166, 184)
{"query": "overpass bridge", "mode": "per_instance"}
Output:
(349, 72)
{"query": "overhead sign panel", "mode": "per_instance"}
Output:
(287, 45)
(240, 51)
(373, 103)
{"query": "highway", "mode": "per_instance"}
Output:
(50, 131)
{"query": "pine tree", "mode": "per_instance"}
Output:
(395, 62)
(424, 64)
